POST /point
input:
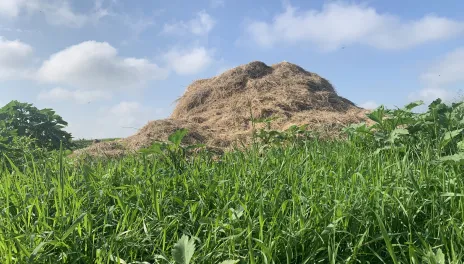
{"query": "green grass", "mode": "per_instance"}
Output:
(316, 202)
(391, 193)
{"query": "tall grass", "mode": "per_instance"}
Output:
(387, 197)
(317, 202)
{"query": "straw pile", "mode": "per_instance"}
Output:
(218, 111)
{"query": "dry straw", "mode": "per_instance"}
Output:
(217, 111)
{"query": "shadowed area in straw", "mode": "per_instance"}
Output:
(218, 111)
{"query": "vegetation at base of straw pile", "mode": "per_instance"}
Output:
(391, 193)
(84, 143)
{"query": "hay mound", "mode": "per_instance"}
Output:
(218, 111)
(283, 90)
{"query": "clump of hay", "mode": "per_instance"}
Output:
(218, 111)
(103, 149)
(284, 90)
(158, 130)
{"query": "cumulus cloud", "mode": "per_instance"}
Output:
(189, 61)
(202, 24)
(125, 118)
(56, 12)
(339, 24)
(369, 105)
(448, 70)
(63, 15)
(430, 94)
(217, 3)
(127, 113)
(12, 8)
(118, 119)
(138, 25)
(97, 65)
(79, 96)
(15, 59)
(438, 80)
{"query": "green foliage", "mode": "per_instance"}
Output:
(183, 250)
(434, 258)
(441, 126)
(311, 202)
(267, 137)
(6, 136)
(21, 152)
(25, 120)
(173, 152)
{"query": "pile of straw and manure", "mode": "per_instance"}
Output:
(218, 111)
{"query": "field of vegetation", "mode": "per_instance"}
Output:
(392, 192)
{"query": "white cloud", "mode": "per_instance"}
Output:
(217, 3)
(440, 78)
(448, 70)
(63, 15)
(339, 24)
(78, 96)
(138, 25)
(127, 113)
(96, 65)
(430, 94)
(120, 119)
(125, 118)
(369, 105)
(15, 58)
(202, 24)
(193, 61)
(12, 8)
(56, 12)
(18, 30)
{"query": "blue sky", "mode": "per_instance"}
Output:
(110, 66)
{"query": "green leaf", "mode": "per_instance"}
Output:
(176, 137)
(450, 194)
(117, 260)
(36, 250)
(195, 146)
(230, 261)
(386, 238)
(73, 226)
(155, 148)
(449, 136)
(328, 229)
(435, 104)
(183, 250)
(440, 257)
(457, 158)
(461, 145)
(413, 105)
(396, 134)
(236, 213)
(377, 115)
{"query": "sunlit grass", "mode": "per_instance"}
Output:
(317, 202)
